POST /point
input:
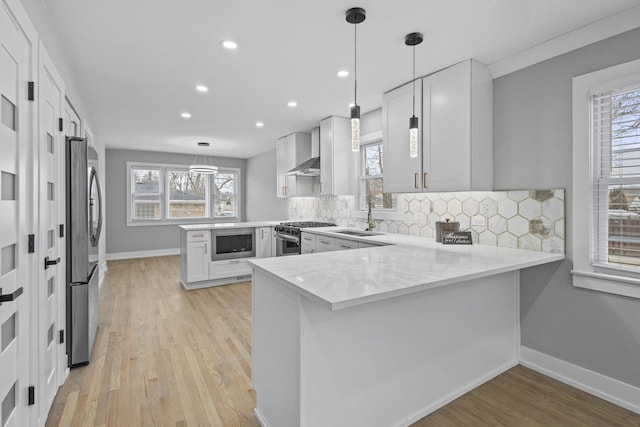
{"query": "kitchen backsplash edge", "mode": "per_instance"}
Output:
(525, 219)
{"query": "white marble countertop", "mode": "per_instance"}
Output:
(347, 278)
(194, 227)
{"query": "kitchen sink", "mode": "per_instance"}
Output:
(359, 233)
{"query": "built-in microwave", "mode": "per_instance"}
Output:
(232, 243)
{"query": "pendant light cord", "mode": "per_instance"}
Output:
(414, 80)
(355, 64)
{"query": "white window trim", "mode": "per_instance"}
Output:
(164, 199)
(357, 212)
(167, 201)
(585, 273)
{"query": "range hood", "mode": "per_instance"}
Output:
(310, 167)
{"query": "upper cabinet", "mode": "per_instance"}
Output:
(455, 139)
(336, 157)
(290, 152)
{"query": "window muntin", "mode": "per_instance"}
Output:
(187, 195)
(371, 167)
(146, 195)
(616, 178)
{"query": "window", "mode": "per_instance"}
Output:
(145, 193)
(171, 194)
(188, 194)
(371, 166)
(225, 194)
(606, 180)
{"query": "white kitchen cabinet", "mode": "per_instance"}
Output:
(292, 150)
(345, 244)
(455, 139)
(198, 256)
(264, 242)
(336, 158)
(308, 243)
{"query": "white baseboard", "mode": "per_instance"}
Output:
(604, 387)
(142, 254)
(261, 419)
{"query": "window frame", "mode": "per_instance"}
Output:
(587, 272)
(168, 200)
(391, 214)
(164, 198)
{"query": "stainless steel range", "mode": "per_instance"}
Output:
(288, 235)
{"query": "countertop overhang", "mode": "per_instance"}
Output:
(216, 225)
(343, 279)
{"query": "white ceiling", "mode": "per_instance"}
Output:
(137, 62)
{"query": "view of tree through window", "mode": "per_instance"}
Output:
(372, 166)
(224, 194)
(188, 194)
(620, 174)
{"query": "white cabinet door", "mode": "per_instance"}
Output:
(264, 237)
(292, 150)
(198, 261)
(402, 173)
(336, 158)
(446, 154)
(308, 243)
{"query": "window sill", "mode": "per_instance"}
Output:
(181, 221)
(383, 215)
(617, 285)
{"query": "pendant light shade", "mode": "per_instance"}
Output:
(354, 16)
(204, 167)
(413, 40)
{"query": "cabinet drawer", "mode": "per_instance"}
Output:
(198, 236)
(324, 244)
(344, 244)
(234, 267)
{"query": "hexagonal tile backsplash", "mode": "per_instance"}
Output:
(525, 219)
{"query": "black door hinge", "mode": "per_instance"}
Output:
(61, 336)
(32, 395)
(60, 124)
(31, 91)
(61, 230)
(32, 243)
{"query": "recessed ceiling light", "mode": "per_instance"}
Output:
(292, 104)
(343, 73)
(259, 124)
(202, 88)
(186, 115)
(228, 44)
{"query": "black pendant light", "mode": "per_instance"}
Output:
(354, 16)
(413, 40)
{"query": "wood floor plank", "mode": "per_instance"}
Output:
(169, 357)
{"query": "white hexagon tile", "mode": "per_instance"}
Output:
(525, 219)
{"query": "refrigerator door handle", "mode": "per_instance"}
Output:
(95, 235)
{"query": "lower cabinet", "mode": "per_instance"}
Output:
(264, 242)
(197, 261)
(312, 243)
(308, 243)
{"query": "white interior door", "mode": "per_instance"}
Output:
(52, 297)
(16, 219)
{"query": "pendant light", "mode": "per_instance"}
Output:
(204, 167)
(354, 16)
(413, 40)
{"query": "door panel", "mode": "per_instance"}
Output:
(52, 297)
(15, 221)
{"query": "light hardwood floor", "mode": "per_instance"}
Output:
(167, 357)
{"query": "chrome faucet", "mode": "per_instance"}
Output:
(370, 222)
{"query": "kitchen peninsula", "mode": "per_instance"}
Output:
(382, 336)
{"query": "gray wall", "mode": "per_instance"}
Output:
(121, 238)
(262, 203)
(532, 149)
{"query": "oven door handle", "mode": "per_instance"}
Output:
(292, 239)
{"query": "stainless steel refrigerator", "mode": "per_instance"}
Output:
(84, 223)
